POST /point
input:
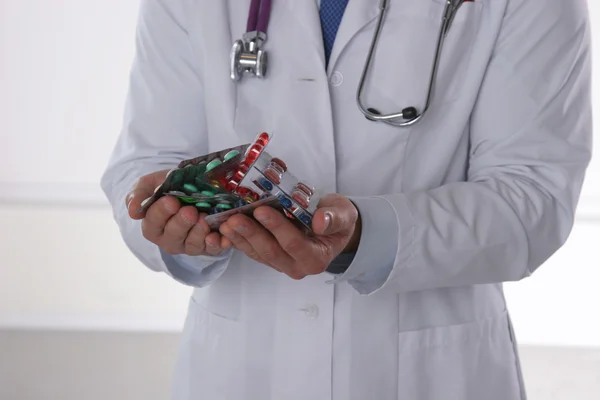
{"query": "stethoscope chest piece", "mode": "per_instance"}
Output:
(247, 56)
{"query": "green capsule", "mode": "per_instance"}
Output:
(191, 188)
(224, 206)
(207, 193)
(231, 154)
(189, 200)
(213, 164)
(203, 205)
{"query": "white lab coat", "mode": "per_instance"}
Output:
(482, 191)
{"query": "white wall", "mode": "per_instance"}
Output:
(63, 77)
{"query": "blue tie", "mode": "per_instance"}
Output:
(331, 13)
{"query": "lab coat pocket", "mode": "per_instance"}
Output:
(470, 361)
(208, 360)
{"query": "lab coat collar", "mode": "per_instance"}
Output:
(358, 14)
(307, 14)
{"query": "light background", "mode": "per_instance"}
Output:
(63, 77)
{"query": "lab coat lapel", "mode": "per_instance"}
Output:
(307, 14)
(357, 15)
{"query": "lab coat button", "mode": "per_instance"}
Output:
(311, 311)
(337, 78)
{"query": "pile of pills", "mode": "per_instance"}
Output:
(239, 178)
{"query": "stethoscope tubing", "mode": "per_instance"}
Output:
(258, 16)
(392, 119)
(258, 21)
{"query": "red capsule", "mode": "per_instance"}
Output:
(243, 168)
(252, 154)
(288, 214)
(263, 138)
(234, 181)
(273, 175)
(247, 194)
(304, 188)
(242, 191)
(301, 198)
(230, 186)
(279, 163)
(238, 176)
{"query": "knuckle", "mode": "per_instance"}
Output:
(146, 180)
(317, 268)
(148, 233)
(271, 250)
(253, 255)
(194, 249)
(353, 213)
(153, 216)
(294, 246)
(296, 275)
(176, 230)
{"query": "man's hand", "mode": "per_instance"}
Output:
(278, 243)
(175, 229)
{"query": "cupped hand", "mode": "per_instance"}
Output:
(175, 229)
(275, 241)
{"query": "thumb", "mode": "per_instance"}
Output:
(144, 188)
(339, 219)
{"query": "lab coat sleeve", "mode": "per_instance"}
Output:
(163, 125)
(377, 247)
(530, 134)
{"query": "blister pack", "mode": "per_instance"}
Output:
(239, 180)
(190, 184)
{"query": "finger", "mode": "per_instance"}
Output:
(335, 214)
(213, 244)
(225, 242)
(134, 200)
(238, 241)
(291, 239)
(157, 217)
(143, 189)
(195, 244)
(177, 229)
(263, 243)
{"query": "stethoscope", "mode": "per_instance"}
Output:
(248, 57)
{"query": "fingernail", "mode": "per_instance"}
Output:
(229, 235)
(328, 218)
(205, 227)
(262, 218)
(239, 228)
(128, 200)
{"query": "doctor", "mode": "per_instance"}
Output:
(400, 296)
